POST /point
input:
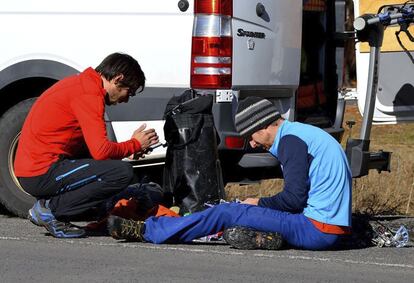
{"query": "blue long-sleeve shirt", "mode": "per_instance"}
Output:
(316, 173)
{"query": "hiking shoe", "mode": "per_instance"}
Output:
(60, 229)
(248, 239)
(41, 215)
(122, 228)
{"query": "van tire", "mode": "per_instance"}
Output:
(12, 196)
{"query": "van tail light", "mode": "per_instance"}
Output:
(218, 7)
(212, 45)
(234, 142)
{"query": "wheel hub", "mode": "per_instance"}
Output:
(11, 158)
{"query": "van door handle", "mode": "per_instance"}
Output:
(183, 5)
(260, 9)
(261, 12)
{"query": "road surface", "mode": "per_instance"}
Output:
(28, 254)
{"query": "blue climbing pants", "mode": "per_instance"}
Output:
(296, 229)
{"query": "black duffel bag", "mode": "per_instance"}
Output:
(192, 168)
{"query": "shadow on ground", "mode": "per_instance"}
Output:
(4, 211)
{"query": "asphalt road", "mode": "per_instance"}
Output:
(28, 254)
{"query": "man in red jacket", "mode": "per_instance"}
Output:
(67, 122)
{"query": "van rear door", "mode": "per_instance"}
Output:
(395, 95)
(266, 43)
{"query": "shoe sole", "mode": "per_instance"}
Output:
(112, 223)
(116, 227)
(248, 239)
(61, 235)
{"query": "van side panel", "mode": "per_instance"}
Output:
(81, 33)
(267, 49)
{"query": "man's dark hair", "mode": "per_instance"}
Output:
(119, 63)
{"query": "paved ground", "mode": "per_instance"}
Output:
(27, 254)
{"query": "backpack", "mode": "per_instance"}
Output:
(192, 168)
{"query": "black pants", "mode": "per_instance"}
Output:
(77, 186)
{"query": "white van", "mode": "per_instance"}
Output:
(286, 51)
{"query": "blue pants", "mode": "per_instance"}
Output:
(296, 229)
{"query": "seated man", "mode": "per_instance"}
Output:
(67, 123)
(312, 211)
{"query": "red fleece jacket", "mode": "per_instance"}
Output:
(64, 119)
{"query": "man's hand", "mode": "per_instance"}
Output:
(145, 137)
(137, 155)
(252, 201)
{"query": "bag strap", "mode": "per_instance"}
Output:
(179, 104)
(194, 135)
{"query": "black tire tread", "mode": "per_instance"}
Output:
(17, 205)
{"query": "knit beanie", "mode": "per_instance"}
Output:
(253, 114)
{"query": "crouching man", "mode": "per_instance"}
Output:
(67, 123)
(312, 211)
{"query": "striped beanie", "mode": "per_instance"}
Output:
(253, 114)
